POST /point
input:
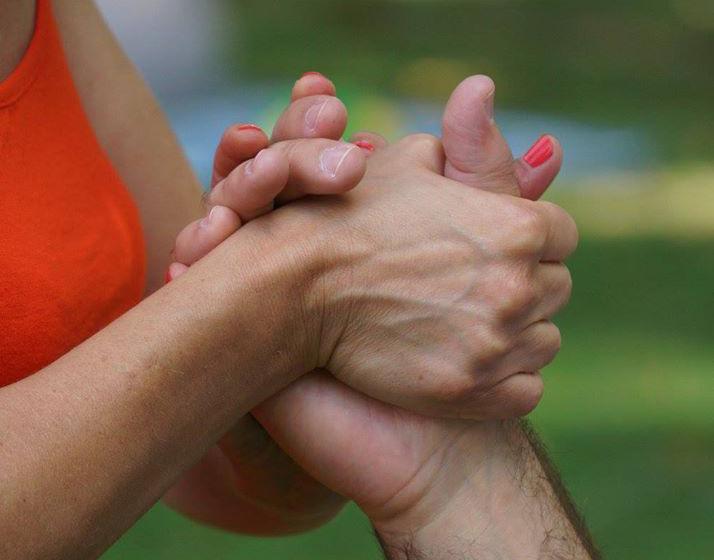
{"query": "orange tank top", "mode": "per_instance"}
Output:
(71, 249)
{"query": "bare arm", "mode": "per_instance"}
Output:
(91, 442)
(514, 506)
(139, 141)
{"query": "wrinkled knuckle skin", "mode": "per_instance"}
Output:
(489, 355)
(516, 300)
(505, 400)
(529, 232)
(422, 145)
(568, 225)
(455, 389)
(420, 141)
(553, 345)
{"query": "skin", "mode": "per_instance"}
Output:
(169, 352)
(416, 477)
(160, 351)
(15, 33)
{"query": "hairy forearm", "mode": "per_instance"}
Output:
(92, 441)
(512, 507)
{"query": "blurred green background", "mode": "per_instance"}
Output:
(629, 408)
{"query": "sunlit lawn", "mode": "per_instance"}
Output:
(628, 414)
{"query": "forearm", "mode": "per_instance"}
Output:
(89, 443)
(513, 506)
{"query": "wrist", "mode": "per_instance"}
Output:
(485, 515)
(293, 264)
(249, 307)
(511, 507)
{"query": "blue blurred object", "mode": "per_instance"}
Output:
(200, 119)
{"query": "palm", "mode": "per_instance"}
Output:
(379, 455)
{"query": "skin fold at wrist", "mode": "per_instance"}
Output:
(509, 507)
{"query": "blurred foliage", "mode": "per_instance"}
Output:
(642, 62)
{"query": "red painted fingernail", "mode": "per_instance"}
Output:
(167, 277)
(365, 145)
(250, 127)
(312, 73)
(540, 153)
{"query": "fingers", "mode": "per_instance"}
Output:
(320, 167)
(317, 116)
(476, 151)
(290, 170)
(239, 143)
(535, 348)
(201, 236)
(554, 288)
(422, 150)
(369, 141)
(515, 396)
(312, 83)
(539, 167)
(561, 233)
(250, 189)
(175, 270)
(242, 142)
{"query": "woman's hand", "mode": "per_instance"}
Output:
(247, 484)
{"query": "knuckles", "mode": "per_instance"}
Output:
(528, 231)
(490, 352)
(423, 149)
(515, 299)
(420, 142)
(554, 345)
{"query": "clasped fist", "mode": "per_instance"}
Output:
(439, 298)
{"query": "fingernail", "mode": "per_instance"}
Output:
(488, 104)
(312, 73)
(250, 166)
(312, 117)
(250, 127)
(365, 145)
(207, 220)
(331, 159)
(540, 152)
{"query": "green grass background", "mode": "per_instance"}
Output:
(629, 409)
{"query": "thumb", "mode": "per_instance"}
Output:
(476, 152)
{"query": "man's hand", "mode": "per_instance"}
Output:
(454, 338)
(432, 486)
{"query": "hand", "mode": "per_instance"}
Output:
(251, 175)
(494, 160)
(404, 469)
(247, 484)
(447, 292)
